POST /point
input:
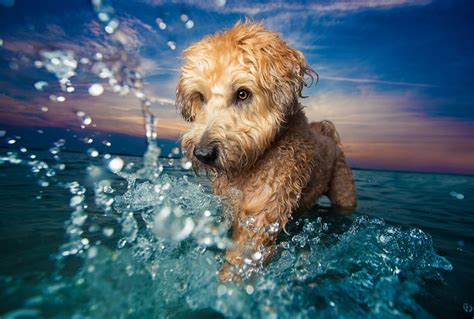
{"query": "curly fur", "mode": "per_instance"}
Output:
(269, 154)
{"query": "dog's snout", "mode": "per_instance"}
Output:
(206, 153)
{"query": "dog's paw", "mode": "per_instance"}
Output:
(227, 274)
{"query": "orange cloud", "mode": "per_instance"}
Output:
(379, 130)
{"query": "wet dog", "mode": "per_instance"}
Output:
(239, 89)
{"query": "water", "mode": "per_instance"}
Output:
(139, 248)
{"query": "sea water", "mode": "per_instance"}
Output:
(99, 243)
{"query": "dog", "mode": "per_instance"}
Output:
(240, 90)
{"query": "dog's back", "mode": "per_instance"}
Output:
(325, 128)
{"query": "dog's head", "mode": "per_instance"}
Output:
(237, 88)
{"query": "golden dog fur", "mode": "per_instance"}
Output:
(267, 160)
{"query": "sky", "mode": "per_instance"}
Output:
(395, 75)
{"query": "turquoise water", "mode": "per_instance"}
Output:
(84, 242)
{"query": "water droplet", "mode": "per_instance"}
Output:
(44, 109)
(249, 289)
(92, 152)
(171, 45)
(96, 89)
(87, 120)
(220, 3)
(11, 141)
(43, 183)
(2, 133)
(41, 85)
(76, 200)
(184, 17)
(221, 290)
(108, 231)
(111, 26)
(189, 24)
(467, 307)
(161, 24)
(92, 252)
(257, 256)
(60, 98)
(116, 164)
(459, 196)
(23, 150)
(106, 143)
(70, 89)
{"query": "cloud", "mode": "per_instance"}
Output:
(381, 130)
(375, 81)
(251, 8)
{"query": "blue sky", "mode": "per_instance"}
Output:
(395, 75)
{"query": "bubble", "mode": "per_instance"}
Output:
(171, 45)
(41, 85)
(116, 164)
(189, 24)
(44, 109)
(96, 89)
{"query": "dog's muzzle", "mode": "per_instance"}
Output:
(206, 153)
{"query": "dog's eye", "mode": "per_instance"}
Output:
(242, 94)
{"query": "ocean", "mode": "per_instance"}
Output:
(79, 239)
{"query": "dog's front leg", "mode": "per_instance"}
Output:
(253, 237)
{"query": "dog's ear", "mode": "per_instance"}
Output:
(184, 102)
(284, 73)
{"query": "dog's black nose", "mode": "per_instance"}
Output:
(206, 154)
